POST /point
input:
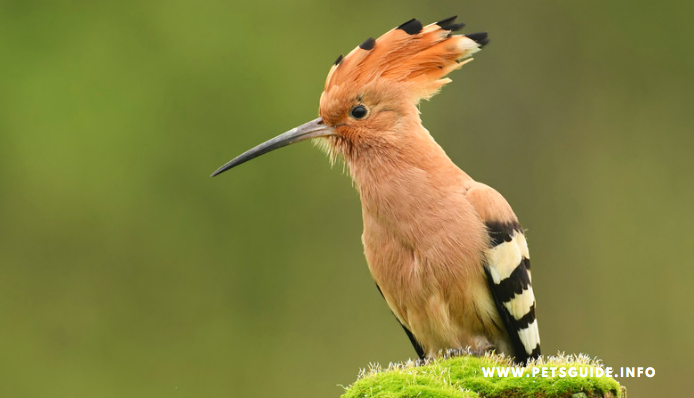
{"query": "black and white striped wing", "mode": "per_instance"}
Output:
(508, 275)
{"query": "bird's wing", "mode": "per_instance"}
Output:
(508, 270)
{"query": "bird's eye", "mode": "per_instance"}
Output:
(359, 112)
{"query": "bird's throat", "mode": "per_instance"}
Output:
(398, 182)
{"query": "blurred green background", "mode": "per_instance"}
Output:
(126, 271)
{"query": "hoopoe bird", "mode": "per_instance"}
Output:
(447, 252)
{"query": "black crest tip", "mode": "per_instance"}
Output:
(454, 27)
(447, 24)
(338, 60)
(411, 27)
(447, 21)
(368, 44)
(479, 37)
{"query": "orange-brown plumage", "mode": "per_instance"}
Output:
(446, 251)
(417, 62)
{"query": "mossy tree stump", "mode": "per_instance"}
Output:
(463, 376)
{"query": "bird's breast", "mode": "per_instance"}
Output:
(428, 263)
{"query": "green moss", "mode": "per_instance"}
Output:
(462, 376)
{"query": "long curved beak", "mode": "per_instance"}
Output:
(313, 129)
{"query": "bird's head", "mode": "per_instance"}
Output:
(371, 94)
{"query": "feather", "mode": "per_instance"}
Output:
(410, 54)
(507, 268)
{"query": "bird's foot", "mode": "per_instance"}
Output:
(477, 351)
(455, 352)
(421, 361)
(480, 352)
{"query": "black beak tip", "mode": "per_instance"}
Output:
(219, 171)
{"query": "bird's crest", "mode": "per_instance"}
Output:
(411, 54)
